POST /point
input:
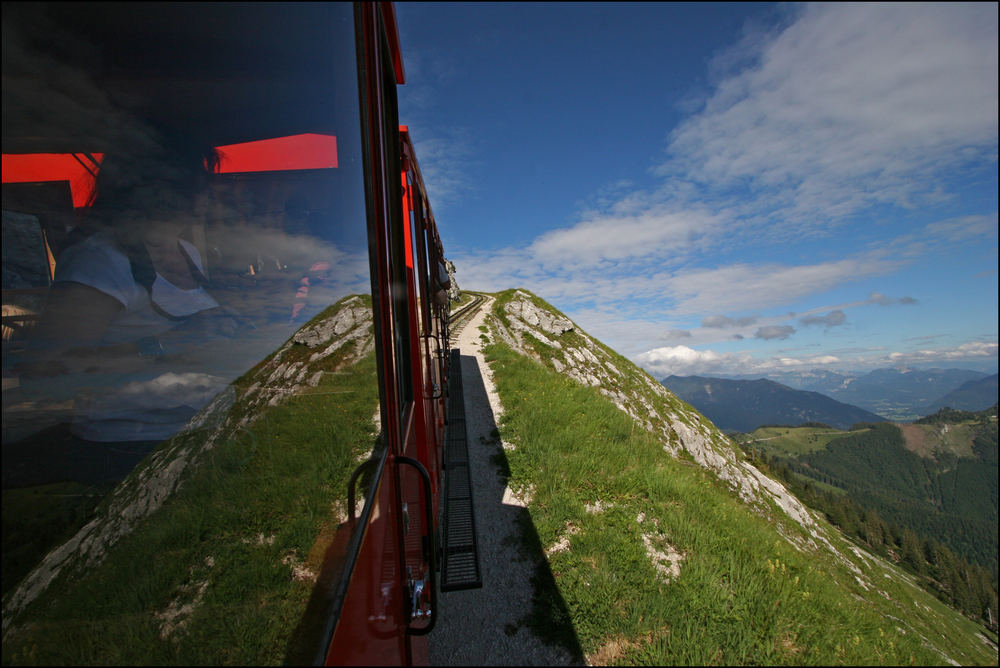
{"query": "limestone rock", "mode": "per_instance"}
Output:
(524, 311)
(454, 292)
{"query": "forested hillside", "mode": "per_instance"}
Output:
(926, 496)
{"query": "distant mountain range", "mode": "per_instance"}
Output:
(896, 394)
(744, 405)
(975, 395)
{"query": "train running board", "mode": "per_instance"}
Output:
(460, 568)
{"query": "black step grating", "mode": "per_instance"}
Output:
(459, 487)
(460, 568)
(456, 453)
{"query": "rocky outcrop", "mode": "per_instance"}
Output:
(454, 292)
(543, 333)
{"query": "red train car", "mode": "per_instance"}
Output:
(190, 191)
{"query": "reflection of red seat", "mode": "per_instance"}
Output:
(306, 151)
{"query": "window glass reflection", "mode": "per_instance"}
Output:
(189, 376)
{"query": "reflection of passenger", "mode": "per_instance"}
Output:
(134, 292)
(441, 295)
(263, 224)
(317, 274)
(296, 222)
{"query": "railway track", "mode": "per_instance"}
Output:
(459, 318)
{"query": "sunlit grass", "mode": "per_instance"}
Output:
(791, 440)
(744, 594)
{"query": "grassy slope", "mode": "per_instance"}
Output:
(793, 441)
(745, 595)
(229, 543)
(923, 439)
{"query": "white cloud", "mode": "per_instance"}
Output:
(851, 105)
(972, 350)
(964, 228)
(825, 359)
(686, 292)
(742, 286)
(618, 236)
(445, 164)
(167, 390)
(685, 361)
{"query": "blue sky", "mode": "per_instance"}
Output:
(721, 189)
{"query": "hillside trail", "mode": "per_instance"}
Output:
(482, 626)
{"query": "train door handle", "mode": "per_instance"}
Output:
(439, 352)
(436, 340)
(364, 466)
(431, 614)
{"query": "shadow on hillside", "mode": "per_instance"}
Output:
(511, 558)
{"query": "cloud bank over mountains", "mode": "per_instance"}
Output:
(685, 361)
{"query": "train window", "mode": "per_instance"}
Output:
(426, 306)
(416, 234)
(189, 375)
(397, 235)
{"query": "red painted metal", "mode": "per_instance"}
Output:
(369, 632)
(79, 169)
(373, 622)
(392, 32)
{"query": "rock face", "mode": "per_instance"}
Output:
(146, 489)
(454, 292)
(546, 335)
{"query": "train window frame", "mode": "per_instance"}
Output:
(397, 240)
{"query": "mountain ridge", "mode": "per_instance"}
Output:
(974, 395)
(899, 394)
(744, 405)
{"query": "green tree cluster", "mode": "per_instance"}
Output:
(951, 416)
